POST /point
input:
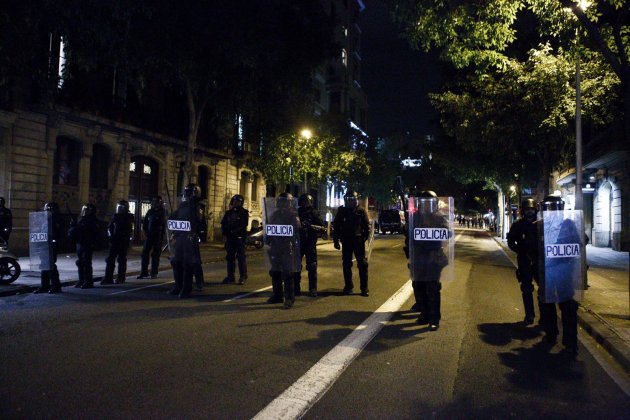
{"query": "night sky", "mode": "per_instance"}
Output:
(395, 78)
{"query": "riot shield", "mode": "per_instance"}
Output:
(561, 244)
(431, 239)
(40, 229)
(182, 236)
(281, 235)
(370, 241)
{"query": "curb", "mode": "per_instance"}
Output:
(597, 328)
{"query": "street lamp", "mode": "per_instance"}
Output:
(306, 134)
(579, 197)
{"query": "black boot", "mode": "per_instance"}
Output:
(312, 283)
(289, 290)
(276, 283)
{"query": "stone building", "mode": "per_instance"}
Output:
(72, 158)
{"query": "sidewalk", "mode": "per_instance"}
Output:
(604, 310)
(30, 280)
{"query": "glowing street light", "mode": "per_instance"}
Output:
(306, 133)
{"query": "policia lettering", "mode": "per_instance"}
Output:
(428, 234)
(279, 230)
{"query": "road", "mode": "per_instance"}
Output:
(132, 351)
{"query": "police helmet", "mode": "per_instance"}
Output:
(122, 207)
(190, 192)
(237, 201)
(528, 208)
(52, 207)
(1, 201)
(284, 200)
(305, 200)
(428, 201)
(351, 199)
(157, 203)
(88, 209)
(552, 202)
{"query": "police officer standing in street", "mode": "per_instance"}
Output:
(522, 240)
(120, 230)
(234, 229)
(50, 278)
(283, 252)
(6, 221)
(430, 235)
(85, 234)
(153, 226)
(352, 228)
(312, 226)
(560, 276)
(183, 226)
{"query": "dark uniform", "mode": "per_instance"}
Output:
(283, 252)
(85, 234)
(234, 229)
(352, 228)
(120, 230)
(153, 226)
(50, 278)
(522, 240)
(184, 227)
(312, 226)
(6, 221)
(558, 274)
(429, 261)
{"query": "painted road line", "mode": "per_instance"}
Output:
(247, 294)
(140, 288)
(306, 391)
(396, 246)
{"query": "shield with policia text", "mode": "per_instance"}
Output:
(39, 231)
(281, 234)
(561, 245)
(431, 239)
(183, 239)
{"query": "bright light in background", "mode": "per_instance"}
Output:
(584, 4)
(306, 133)
(512, 188)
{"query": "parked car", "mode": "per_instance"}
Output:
(254, 239)
(392, 221)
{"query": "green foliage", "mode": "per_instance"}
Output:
(289, 158)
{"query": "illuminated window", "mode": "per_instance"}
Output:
(146, 169)
(62, 62)
(132, 167)
(344, 57)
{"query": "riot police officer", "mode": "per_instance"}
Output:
(312, 226)
(234, 229)
(120, 230)
(428, 260)
(50, 278)
(6, 221)
(284, 251)
(183, 227)
(558, 274)
(153, 226)
(85, 233)
(352, 228)
(522, 240)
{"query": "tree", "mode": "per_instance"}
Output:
(481, 38)
(320, 159)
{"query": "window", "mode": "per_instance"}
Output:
(99, 166)
(202, 176)
(255, 188)
(67, 158)
(243, 185)
(344, 57)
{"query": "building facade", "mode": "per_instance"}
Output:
(74, 158)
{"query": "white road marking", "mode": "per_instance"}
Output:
(140, 288)
(306, 391)
(396, 246)
(247, 294)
